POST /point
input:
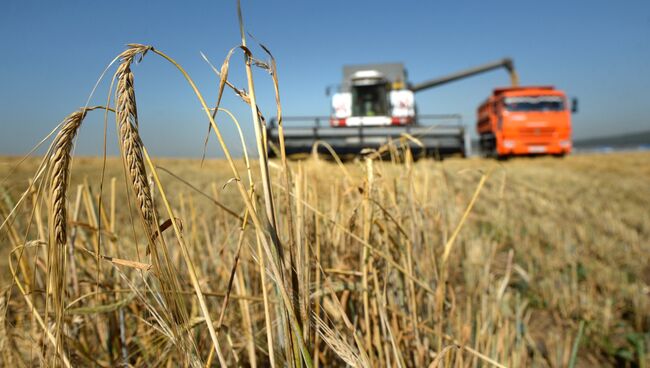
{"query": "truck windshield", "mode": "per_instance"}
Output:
(534, 103)
(369, 100)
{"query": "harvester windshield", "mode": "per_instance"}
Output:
(369, 100)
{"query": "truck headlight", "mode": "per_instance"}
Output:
(508, 144)
(565, 144)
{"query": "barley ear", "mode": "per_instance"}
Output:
(127, 118)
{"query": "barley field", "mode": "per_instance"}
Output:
(387, 260)
(529, 262)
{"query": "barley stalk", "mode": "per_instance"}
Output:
(58, 220)
(132, 155)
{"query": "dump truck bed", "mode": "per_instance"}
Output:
(433, 139)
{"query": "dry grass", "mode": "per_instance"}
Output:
(399, 263)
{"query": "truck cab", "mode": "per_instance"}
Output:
(532, 120)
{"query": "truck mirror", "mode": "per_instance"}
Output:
(574, 105)
(327, 91)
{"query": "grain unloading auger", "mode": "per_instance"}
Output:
(375, 105)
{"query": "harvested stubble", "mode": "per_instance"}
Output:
(578, 229)
(412, 264)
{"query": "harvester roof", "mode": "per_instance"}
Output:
(392, 72)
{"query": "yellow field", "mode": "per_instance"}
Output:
(552, 261)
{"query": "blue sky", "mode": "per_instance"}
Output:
(53, 52)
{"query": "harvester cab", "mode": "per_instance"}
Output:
(373, 95)
(374, 106)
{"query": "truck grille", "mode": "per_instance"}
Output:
(541, 132)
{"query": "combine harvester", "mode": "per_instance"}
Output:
(375, 105)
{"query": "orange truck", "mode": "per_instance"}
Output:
(523, 121)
